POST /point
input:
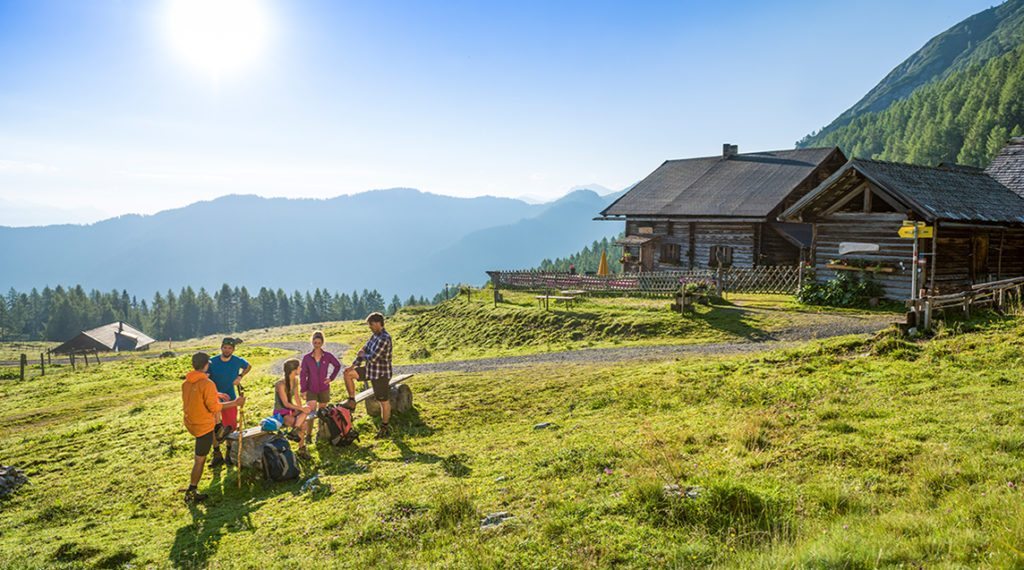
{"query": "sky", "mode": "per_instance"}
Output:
(109, 107)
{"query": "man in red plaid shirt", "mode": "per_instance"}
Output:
(376, 355)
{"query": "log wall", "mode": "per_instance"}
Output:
(867, 228)
(739, 236)
(776, 250)
(955, 262)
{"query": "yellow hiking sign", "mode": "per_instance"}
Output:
(922, 232)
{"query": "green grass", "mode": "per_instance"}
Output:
(838, 454)
(477, 328)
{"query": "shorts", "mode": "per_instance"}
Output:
(229, 417)
(321, 397)
(381, 389)
(204, 444)
(284, 412)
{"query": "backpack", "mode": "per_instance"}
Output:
(279, 461)
(273, 423)
(338, 420)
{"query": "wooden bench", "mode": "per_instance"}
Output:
(254, 437)
(545, 300)
(574, 292)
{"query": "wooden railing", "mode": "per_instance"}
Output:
(765, 279)
(994, 294)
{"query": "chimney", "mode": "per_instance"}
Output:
(729, 150)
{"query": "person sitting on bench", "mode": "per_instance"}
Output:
(377, 357)
(199, 402)
(285, 392)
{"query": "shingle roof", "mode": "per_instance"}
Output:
(106, 336)
(749, 184)
(1008, 166)
(960, 194)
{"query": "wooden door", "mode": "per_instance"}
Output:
(647, 256)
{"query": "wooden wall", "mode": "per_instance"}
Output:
(746, 239)
(677, 233)
(739, 236)
(953, 272)
(775, 249)
(867, 228)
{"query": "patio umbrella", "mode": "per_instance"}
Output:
(602, 267)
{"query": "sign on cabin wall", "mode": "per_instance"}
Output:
(645, 230)
(856, 247)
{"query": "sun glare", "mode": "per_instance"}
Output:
(217, 37)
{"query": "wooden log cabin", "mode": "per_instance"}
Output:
(977, 225)
(699, 212)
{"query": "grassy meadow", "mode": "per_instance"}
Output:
(846, 453)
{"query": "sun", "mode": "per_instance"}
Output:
(217, 37)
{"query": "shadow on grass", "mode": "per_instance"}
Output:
(729, 318)
(226, 509)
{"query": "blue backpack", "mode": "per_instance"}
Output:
(279, 461)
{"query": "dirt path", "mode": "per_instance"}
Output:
(804, 328)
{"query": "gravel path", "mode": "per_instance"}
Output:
(810, 327)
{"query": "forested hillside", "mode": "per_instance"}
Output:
(957, 99)
(965, 118)
(58, 313)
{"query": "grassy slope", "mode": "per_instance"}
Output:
(840, 454)
(461, 329)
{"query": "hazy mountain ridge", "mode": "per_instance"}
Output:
(384, 239)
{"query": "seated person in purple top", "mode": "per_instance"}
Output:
(319, 369)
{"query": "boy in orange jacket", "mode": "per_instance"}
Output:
(200, 402)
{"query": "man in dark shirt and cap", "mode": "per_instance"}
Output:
(226, 371)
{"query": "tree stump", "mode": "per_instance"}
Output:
(401, 401)
(252, 446)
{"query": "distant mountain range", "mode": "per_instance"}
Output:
(399, 241)
(956, 99)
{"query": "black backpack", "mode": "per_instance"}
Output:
(279, 461)
(338, 420)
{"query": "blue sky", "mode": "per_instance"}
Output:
(102, 116)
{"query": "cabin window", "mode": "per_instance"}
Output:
(720, 255)
(670, 253)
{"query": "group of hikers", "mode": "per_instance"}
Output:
(212, 393)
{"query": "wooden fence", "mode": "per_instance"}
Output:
(765, 279)
(994, 294)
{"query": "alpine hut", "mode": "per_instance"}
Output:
(117, 336)
(720, 210)
(971, 226)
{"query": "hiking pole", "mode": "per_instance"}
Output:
(241, 423)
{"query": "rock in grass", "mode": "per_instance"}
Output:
(677, 491)
(495, 520)
(10, 479)
(544, 425)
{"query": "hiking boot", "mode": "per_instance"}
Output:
(303, 453)
(294, 435)
(193, 496)
(384, 431)
(217, 460)
(223, 432)
(350, 404)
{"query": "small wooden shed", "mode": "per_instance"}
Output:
(977, 225)
(117, 336)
